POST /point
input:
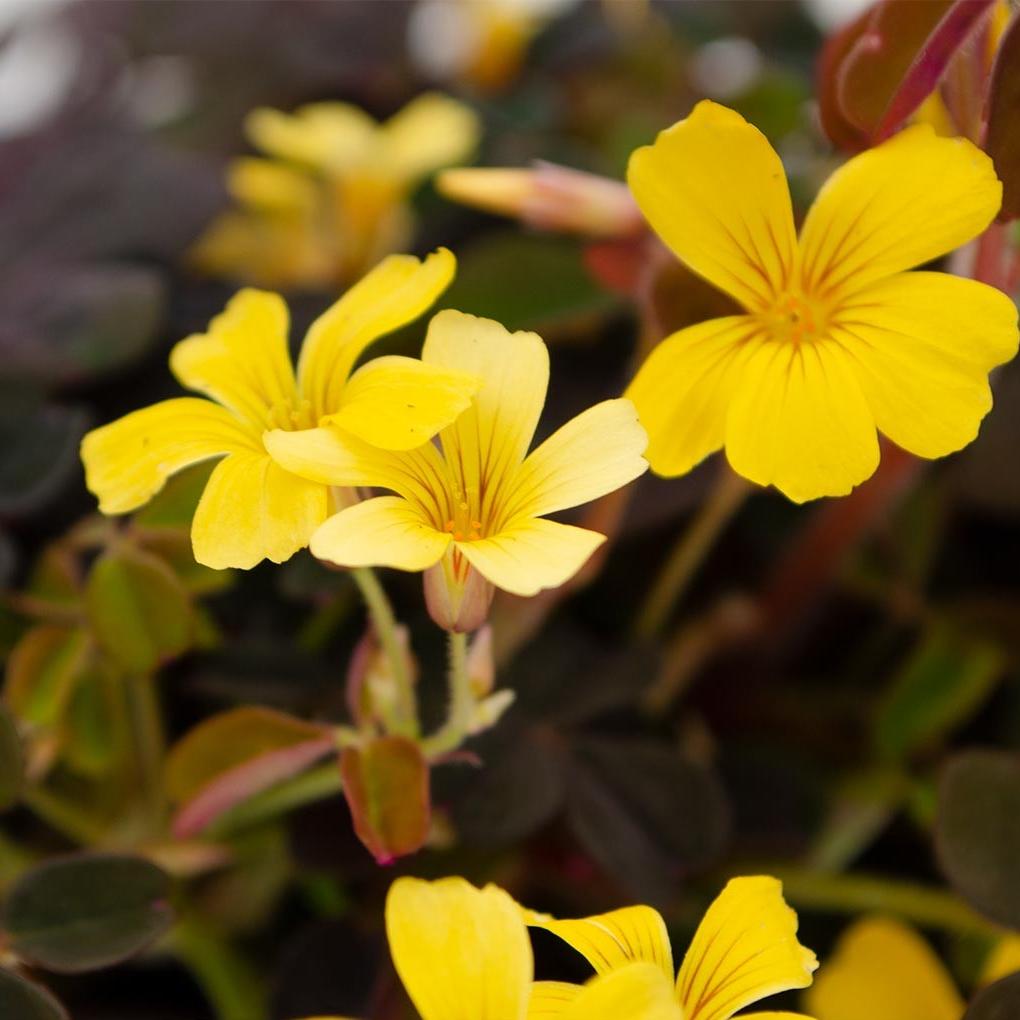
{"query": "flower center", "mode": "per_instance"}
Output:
(291, 418)
(795, 318)
(464, 526)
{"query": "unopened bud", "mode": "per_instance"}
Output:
(548, 197)
(480, 664)
(489, 711)
(371, 690)
(457, 601)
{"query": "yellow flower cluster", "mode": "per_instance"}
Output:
(464, 954)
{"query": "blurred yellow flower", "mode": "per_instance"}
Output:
(477, 503)
(744, 950)
(883, 970)
(252, 509)
(836, 341)
(331, 199)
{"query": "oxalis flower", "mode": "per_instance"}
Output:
(836, 341)
(251, 508)
(464, 954)
(474, 507)
(883, 970)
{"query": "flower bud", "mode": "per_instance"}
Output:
(548, 197)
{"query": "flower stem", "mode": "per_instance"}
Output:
(462, 701)
(689, 553)
(405, 715)
(150, 743)
(857, 894)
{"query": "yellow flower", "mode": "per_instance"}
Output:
(745, 949)
(331, 199)
(836, 340)
(480, 500)
(252, 509)
(883, 970)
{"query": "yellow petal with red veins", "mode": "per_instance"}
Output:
(399, 403)
(387, 531)
(242, 360)
(614, 940)
(431, 132)
(597, 452)
(487, 443)
(531, 554)
(745, 949)
(462, 953)
(907, 201)
(253, 510)
(393, 294)
(128, 461)
(799, 420)
(923, 344)
(684, 389)
(715, 191)
(327, 136)
(883, 970)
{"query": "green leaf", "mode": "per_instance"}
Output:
(174, 549)
(12, 765)
(527, 282)
(78, 913)
(978, 831)
(1000, 1001)
(1002, 137)
(21, 999)
(945, 680)
(175, 504)
(139, 608)
(42, 671)
(95, 727)
(386, 784)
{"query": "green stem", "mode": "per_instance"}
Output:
(230, 983)
(690, 551)
(462, 702)
(150, 743)
(861, 894)
(404, 719)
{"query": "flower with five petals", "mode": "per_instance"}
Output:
(836, 341)
(476, 504)
(253, 509)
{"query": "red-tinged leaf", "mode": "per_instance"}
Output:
(1002, 138)
(881, 56)
(955, 28)
(42, 671)
(842, 132)
(242, 782)
(386, 784)
(223, 743)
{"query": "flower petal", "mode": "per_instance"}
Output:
(333, 457)
(614, 940)
(924, 344)
(744, 949)
(909, 200)
(531, 554)
(638, 991)
(462, 953)
(799, 420)
(242, 360)
(128, 461)
(883, 970)
(551, 999)
(595, 453)
(487, 443)
(253, 510)
(326, 136)
(393, 294)
(684, 389)
(715, 191)
(387, 531)
(399, 403)
(429, 133)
